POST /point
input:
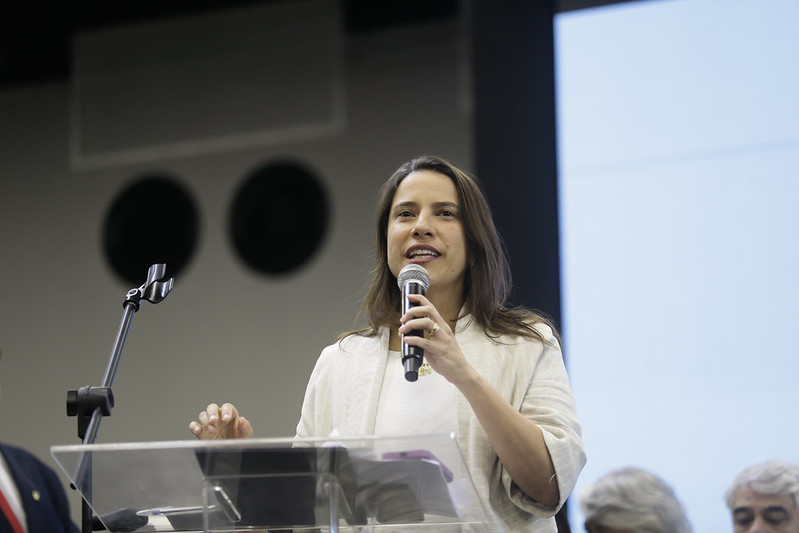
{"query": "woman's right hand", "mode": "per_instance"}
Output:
(221, 423)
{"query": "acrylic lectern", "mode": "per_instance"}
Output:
(365, 484)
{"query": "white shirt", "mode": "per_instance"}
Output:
(425, 406)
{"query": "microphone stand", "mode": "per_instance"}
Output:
(90, 404)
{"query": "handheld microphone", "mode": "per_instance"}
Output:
(412, 279)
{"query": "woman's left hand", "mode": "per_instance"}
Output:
(441, 350)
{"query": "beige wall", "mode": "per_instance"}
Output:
(224, 333)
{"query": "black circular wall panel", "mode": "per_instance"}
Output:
(278, 218)
(152, 220)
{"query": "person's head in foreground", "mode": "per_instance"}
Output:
(632, 500)
(765, 498)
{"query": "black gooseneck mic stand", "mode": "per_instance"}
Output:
(90, 404)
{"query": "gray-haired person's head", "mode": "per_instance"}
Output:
(633, 499)
(773, 478)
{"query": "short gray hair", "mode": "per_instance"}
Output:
(634, 499)
(772, 477)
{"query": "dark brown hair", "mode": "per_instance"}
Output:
(487, 283)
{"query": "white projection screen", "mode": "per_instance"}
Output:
(678, 134)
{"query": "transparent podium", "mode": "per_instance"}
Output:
(416, 483)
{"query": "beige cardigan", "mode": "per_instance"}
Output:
(344, 389)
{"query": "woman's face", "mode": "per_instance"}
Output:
(425, 227)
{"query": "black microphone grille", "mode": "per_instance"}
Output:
(413, 272)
